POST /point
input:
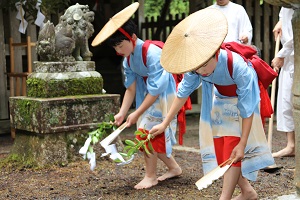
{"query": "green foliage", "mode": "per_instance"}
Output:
(25, 108)
(153, 7)
(42, 88)
(132, 147)
(179, 6)
(15, 161)
(103, 130)
(54, 6)
(48, 7)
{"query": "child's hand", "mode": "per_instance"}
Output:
(237, 153)
(132, 118)
(158, 129)
(118, 119)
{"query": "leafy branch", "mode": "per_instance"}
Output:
(103, 130)
(133, 146)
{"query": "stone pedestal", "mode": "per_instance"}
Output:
(64, 103)
(56, 79)
(61, 114)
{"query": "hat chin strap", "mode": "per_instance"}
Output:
(127, 35)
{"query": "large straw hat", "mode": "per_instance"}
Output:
(194, 41)
(114, 23)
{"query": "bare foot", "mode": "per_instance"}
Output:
(146, 183)
(247, 196)
(170, 174)
(286, 152)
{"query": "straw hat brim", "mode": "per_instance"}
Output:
(115, 23)
(194, 41)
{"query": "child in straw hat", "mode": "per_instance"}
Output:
(153, 89)
(230, 126)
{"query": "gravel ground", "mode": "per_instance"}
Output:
(109, 181)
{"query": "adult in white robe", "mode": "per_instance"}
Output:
(239, 25)
(284, 61)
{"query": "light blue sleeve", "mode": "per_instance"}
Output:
(248, 90)
(190, 82)
(129, 75)
(158, 79)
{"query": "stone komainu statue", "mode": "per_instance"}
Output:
(68, 40)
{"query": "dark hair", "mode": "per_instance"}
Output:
(116, 38)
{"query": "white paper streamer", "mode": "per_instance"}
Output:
(20, 16)
(84, 149)
(112, 150)
(92, 158)
(40, 17)
(109, 149)
(23, 26)
(115, 155)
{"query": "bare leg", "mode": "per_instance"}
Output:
(230, 180)
(289, 150)
(247, 191)
(150, 178)
(174, 169)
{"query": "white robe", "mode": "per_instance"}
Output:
(285, 121)
(238, 21)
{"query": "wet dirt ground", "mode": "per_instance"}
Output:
(109, 181)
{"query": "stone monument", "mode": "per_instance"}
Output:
(64, 94)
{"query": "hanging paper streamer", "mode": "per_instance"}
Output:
(40, 17)
(20, 16)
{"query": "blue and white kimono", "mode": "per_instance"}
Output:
(222, 115)
(159, 82)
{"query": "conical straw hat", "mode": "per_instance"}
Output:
(114, 23)
(194, 41)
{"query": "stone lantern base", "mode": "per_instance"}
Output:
(52, 130)
(64, 103)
